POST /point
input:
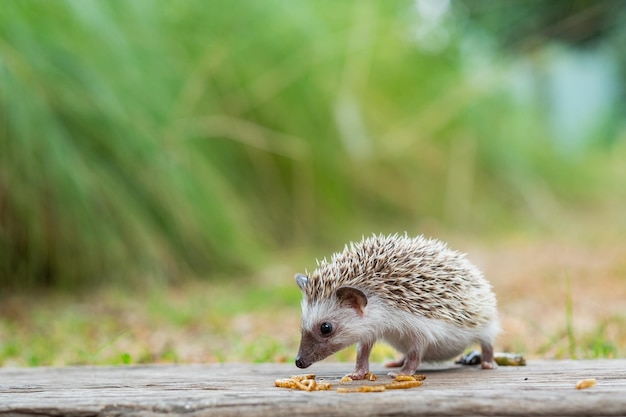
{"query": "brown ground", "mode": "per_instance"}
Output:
(536, 285)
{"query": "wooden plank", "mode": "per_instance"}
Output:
(543, 388)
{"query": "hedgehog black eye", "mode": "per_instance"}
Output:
(326, 328)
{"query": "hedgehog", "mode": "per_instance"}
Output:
(424, 299)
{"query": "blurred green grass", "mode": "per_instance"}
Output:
(146, 141)
(194, 323)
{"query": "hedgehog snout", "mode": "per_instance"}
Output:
(300, 363)
(305, 358)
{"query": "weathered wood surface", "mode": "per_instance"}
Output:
(541, 388)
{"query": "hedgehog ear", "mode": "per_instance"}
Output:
(302, 280)
(352, 297)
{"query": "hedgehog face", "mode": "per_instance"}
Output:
(330, 325)
(320, 341)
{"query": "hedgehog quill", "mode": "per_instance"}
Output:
(424, 299)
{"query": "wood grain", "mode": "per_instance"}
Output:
(543, 388)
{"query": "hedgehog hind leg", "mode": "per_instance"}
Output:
(487, 359)
(411, 363)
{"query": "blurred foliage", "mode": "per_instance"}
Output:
(166, 139)
(531, 23)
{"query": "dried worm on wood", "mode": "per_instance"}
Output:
(370, 376)
(303, 382)
(403, 384)
(285, 383)
(303, 377)
(586, 383)
(346, 379)
(363, 388)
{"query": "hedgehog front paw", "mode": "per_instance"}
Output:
(488, 365)
(358, 374)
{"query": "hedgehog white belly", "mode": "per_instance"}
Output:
(439, 340)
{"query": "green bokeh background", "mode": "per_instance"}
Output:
(147, 141)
